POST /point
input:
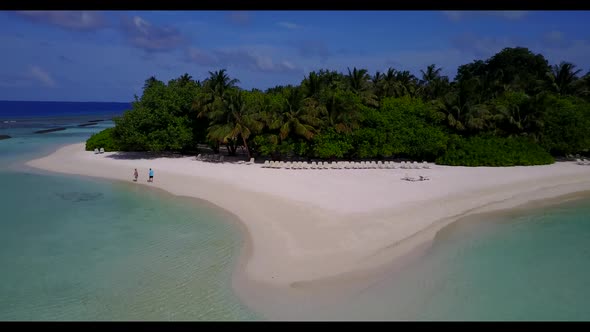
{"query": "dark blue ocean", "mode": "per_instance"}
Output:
(10, 110)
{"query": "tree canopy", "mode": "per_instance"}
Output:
(515, 100)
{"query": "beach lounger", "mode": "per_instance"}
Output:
(96, 151)
(198, 157)
(580, 162)
(101, 150)
(266, 164)
(409, 178)
(425, 165)
(251, 162)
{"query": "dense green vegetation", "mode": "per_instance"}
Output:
(511, 109)
(494, 151)
(103, 139)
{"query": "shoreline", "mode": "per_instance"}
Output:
(298, 247)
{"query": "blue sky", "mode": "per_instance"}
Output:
(107, 56)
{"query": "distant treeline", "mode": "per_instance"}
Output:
(511, 109)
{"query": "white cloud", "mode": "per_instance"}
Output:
(41, 76)
(288, 25)
(457, 15)
(74, 20)
(151, 38)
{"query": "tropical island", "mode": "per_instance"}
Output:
(511, 109)
(309, 233)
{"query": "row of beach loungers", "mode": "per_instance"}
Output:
(344, 165)
(583, 162)
(97, 151)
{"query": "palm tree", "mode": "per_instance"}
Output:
(213, 93)
(312, 85)
(151, 82)
(377, 82)
(211, 101)
(390, 83)
(233, 121)
(562, 78)
(298, 116)
(407, 84)
(185, 79)
(358, 81)
(431, 74)
(431, 82)
(341, 110)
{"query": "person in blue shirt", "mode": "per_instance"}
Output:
(151, 179)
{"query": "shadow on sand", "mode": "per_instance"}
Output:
(144, 155)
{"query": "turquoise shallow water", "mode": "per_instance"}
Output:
(526, 265)
(82, 249)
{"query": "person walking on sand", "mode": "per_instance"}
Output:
(135, 175)
(151, 179)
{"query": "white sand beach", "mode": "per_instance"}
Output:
(308, 225)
